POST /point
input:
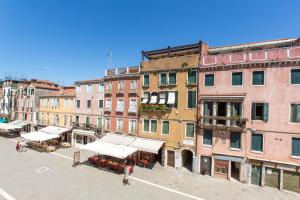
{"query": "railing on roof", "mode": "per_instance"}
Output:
(122, 71)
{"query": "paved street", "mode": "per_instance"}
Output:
(43, 176)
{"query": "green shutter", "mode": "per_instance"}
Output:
(165, 129)
(190, 130)
(146, 125)
(163, 79)
(153, 126)
(192, 77)
(207, 137)
(253, 111)
(146, 80)
(235, 140)
(296, 146)
(87, 120)
(266, 112)
(237, 78)
(172, 78)
(295, 76)
(258, 78)
(257, 142)
(99, 122)
(295, 113)
(209, 79)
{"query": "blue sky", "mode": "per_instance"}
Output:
(68, 40)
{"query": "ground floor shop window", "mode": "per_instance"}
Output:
(291, 181)
(221, 168)
(79, 139)
(170, 158)
(147, 156)
(235, 140)
(272, 177)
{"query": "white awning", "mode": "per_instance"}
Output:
(5, 126)
(83, 132)
(96, 146)
(118, 139)
(38, 136)
(153, 99)
(19, 123)
(171, 98)
(147, 145)
(54, 130)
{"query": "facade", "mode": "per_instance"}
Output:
(58, 108)
(249, 124)
(168, 109)
(26, 103)
(121, 100)
(9, 88)
(89, 111)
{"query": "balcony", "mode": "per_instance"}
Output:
(108, 92)
(132, 110)
(154, 107)
(133, 91)
(88, 127)
(107, 109)
(220, 122)
(120, 91)
(120, 109)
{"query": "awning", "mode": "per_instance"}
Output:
(153, 99)
(171, 98)
(141, 144)
(229, 158)
(19, 123)
(83, 132)
(5, 126)
(147, 145)
(109, 149)
(54, 130)
(38, 136)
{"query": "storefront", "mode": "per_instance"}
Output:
(82, 137)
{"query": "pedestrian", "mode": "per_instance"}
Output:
(23, 148)
(18, 146)
(126, 175)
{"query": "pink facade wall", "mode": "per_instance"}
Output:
(125, 115)
(277, 91)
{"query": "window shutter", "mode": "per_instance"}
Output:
(253, 111)
(296, 146)
(146, 125)
(297, 113)
(266, 112)
(176, 99)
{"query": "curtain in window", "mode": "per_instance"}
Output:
(153, 126)
(235, 109)
(296, 146)
(172, 78)
(295, 113)
(165, 127)
(266, 112)
(208, 108)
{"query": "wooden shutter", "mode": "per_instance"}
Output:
(266, 112)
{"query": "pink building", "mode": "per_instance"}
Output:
(121, 100)
(89, 111)
(249, 105)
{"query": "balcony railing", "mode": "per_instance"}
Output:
(107, 109)
(133, 91)
(85, 126)
(108, 91)
(235, 121)
(120, 109)
(154, 107)
(120, 91)
(132, 110)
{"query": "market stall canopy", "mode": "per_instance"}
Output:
(5, 126)
(142, 144)
(38, 136)
(54, 130)
(147, 145)
(109, 149)
(19, 123)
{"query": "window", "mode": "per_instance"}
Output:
(162, 97)
(78, 89)
(87, 121)
(165, 127)
(146, 80)
(295, 113)
(120, 105)
(163, 79)
(78, 103)
(295, 146)
(207, 137)
(89, 88)
(260, 111)
(150, 125)
(88, 103)
(295, 76)
(258, 78)
(133, 84)
(133, 105)
(121, 85)
(257, 142)
(99, 122)
(132, 126)
(65, 120)
(108, 104)
(190, 130)
(146, 97)
(77, 119)
(192, 77)
(237, 78)
(209, 79)
(107, 123)
(101, 87)
(192, 99)
(100, 103)
(108, 86)
(119, 125)
(235, 140)
(172, 78)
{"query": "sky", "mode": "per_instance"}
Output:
(69, 40)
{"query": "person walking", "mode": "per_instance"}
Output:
(126, 175)
(18, 146)
(23, 148)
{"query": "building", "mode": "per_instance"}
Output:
(9, 88)
(58, 109)
(168, 109)
(89, 110)
(121, 100)
(249, 124)
(26, 101)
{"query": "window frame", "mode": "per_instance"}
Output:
(290, 113)
(187, 100)
(117, 124)
(150, 125)
(262, 120)
(212, 136)
(294, 156)
(252, 78)
(187, 76)
(240, 141)
(118, 99)
(194, 124)
(136, 125)
(207, 74)
(162, 126)
(263, 142)
(291, 76)
(235, 72)
(144, 80)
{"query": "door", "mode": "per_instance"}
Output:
(256, 175)
(205, 165)
(84, 139)
(171, 158)
(272, 177)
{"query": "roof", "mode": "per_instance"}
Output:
(93, 81)
(41, 84)
(54, 130)
(38, 136)
(62, 92)
(120, 72)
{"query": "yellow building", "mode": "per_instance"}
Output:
(58, 108)
(168, 109)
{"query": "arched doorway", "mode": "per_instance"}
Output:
(187, 159)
